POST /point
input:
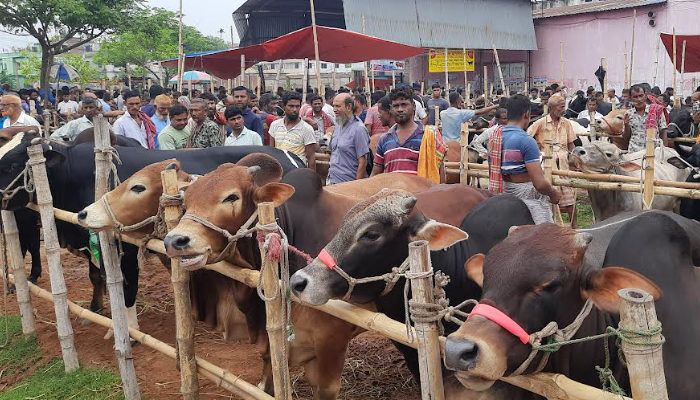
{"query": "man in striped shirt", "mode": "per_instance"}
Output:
(398, 149)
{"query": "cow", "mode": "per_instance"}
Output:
(604, 157)
(537, 276)
(576, 105)
(690, 208)
(373, 239)
(71, 177)
(611, 125)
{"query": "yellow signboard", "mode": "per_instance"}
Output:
(455, 60)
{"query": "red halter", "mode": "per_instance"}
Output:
(506, 322)
(327, 259)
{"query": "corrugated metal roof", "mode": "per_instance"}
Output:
(476, 24)
(591, 7)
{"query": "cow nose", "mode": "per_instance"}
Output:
(177, 242)
(82, 215)
(298, 284)
(460, 354)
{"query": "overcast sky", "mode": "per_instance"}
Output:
(208, 16)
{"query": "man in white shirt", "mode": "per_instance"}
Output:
(240, 135)
(11, 107)
(591, 109)
(67, 105)
(328, 107)
(90, 108)
(131, 124)
(420, 115)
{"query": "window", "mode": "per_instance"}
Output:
(324, 66)
(297, 65)
(88, 48)
(337, 65)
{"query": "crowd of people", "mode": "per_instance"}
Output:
(412, 129)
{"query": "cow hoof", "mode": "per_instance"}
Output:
(11, 288)
(33, 278)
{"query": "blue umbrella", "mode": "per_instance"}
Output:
(63, 72)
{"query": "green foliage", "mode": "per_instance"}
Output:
(30, 67)
(51, 382)
(21, 351)
(86, 71)
(5, 78)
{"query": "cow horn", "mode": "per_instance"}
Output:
(172, 165)
(685, 148)
(582, 240)
(254, 169)
(408, 203)
(36, 141)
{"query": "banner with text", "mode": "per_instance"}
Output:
(455, 60)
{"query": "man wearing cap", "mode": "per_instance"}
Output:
(160, 116)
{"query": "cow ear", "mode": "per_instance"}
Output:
(602, 286)
(677, 162)
(474, 268)
(630, 167)
(439, 236)
(53, 158)
(276, 193)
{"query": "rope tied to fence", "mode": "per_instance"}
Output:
(114, 161)
(27, 178)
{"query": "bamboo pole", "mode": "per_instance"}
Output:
(469, 94)
(393, 77)
(277, 75)
(559, 387)
(682, 91)
(37, 163)
(364, 65)
(229, 85)
(500, 71)
(656, 63)
(604, 64)
(180, 57)
(319, 84)
(627, 76)
(217, 375)
(427, 334)
(464, 157)
(374, 86)
(47, 124)
(110, 260)
(180, 278)
(275, 311)
(305, 79)
(15, 265)
(648, 168)
(243, 83)
(676, 99)
(447, 75)
(69, 116)
(561, 61)
(634, 29)
(422, 88)
(464, 61)
(486, 86)
(644, 362)
(334, 80)
(258, 89)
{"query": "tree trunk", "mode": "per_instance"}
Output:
(46, 61)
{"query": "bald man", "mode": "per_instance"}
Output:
(349, 143)
(563, 136)
(11, 107)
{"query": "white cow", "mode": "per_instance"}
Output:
(604, 157)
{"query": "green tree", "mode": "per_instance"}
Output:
(53, 23)
(5, 78)
(86, 71)
(30, 67)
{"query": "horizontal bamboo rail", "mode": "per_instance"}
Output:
(218, 375)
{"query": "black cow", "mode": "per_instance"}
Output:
(538, 275)
(374, 238)
(71, 176)
(690, 208)
(576, 105)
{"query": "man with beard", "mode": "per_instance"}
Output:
(70, 130)
(160, 117)
(291, 133)
(206, 133)
(398, 150)
(349, 143)
(241, 97)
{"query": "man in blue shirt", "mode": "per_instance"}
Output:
(520, 162)
(241, 99)
(349, 143)
(453, 118)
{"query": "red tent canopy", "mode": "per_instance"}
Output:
(692, 50)
(334, 45)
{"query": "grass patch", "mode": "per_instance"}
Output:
(20, 351)
(51, 382)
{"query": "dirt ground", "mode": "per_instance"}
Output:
(374, 369)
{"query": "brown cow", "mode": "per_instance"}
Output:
(612, 125)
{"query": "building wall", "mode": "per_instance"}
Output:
(589, 37)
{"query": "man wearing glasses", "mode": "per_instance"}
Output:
(11, 107)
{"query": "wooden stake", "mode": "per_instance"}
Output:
(374, 86)
(69, 116)
(258, 89)
(656, 63)
(15, 265)
(275, 311)
(469, 94)
(447, 76)
(561, 61)
(181, 56)
(364, 65)
(464, 60)
(486, 86)
(229, 85)
(676, 99)
(681, 93)
(110, 259)
(184, 326)
(634, 29)
(393, 77)
(47, 123)
(53, 255)
(627, 75)
(422, 88)
(604, 64)
(243, 70)
(644, 362)
(464, 157)
(429, 360)
(648, 170)
(318, 58)
(500, 71)
(305, 79)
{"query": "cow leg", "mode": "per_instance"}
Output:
(130, 273)
(98, 287)
(324, 371)
(29, 242)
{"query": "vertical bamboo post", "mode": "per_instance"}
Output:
(644, 362)
(649, 168)
(422, 88)
(676, 99)
(229, 85)
(319, 84)
(604, 64)
(374, 85)
(464, 61)
(486, 86)
(108, 250)
(468, 95)
(184, 327)
(275, 312)
(447, 75)
(305, 79)
(15, 265)
(427, 334)
(548, 158)
(393, 77)
(258, 89)
(180, 54)
(53, 255)
(69, 116)
(656, 63)
(334, 80)
(47, 123)
(500, 71)
(561, 61)
(634, 29)
(464, 156)
(365, 66)
(682, 91)
(277, 75)
(627, 75)
(55, 119)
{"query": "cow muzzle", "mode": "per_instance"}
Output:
(95, 218)
(313, 284)
(181, 246)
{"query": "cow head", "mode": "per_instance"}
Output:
(612, 123)
(13, 160)
(134, 200)
(226, 198)
(372, 238)
(534, 276)
(597, 157)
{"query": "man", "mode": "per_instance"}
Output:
(591, 108)
(436, 102)
(134, 123)
(291, 133)
(271, 110)
(11, 107)
(69, 131)
(613, 99)
(453, 117)
(636, 117)
(514, 163)
(120, 99)
(479, 143)
(175, 135)
(349, 143)
(624, 100)
(563, 137)
(317, 118)
(419, 115)
(360, 106)
(373, 123)
(603, 106)
(398, 150)
(153, 92)
(205, 132)
(67, 105)
(385, 115)
(241, 98)
(240, 135)
(103, 98)
(160, 117)
(535, 96)
(35, 102)
(327, 107)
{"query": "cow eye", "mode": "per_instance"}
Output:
(620, 117)
(552, 287)
(608, 154)
(370, 236)
(138, 188)
(231, 198)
